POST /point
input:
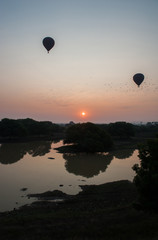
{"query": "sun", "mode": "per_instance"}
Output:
(83, 114)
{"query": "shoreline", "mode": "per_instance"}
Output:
(103, 211)
(94, 193)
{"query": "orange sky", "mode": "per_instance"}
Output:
(99, 46)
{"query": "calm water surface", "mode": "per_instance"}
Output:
(36, 167)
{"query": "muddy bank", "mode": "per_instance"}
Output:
(109, 194)
(50, 196)
(98, 212)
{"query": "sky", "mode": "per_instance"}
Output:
(99, 46)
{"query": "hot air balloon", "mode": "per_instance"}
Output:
(138, 78)
(48, 43)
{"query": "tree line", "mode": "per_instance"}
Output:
(27, 128)
(30, 127)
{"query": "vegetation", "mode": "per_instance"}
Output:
(127, 130)
(27, 127)
(88, 137)
(11, 128)
(147, 130)
(146, 179)
(121, 129)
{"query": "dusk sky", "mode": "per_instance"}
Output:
(99, 46)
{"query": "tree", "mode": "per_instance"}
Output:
(11, 128)
(146, 179)
(27, 127)
(88, 137)
(121, 129)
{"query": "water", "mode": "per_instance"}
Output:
(35, 167)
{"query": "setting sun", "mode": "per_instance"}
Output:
(83, 113)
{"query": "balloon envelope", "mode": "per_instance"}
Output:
(48, 43)
(138, 78)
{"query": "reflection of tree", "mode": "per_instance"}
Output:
(86, 165)
(39, 148)
(123, 153)
(13, 152)
(56, 140)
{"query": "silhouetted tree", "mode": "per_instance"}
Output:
(147, 130)
(88, 137)
(121, 129)
(10, 127)
(27, 127)
(146, 178)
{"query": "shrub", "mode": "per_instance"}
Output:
(88, 137)
(146, 179)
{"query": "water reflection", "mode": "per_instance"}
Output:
(38, 173)
(87, 165)
(13, 152)
(90, 165)
(123, 153)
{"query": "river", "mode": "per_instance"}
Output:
(36, 167)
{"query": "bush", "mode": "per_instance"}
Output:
(88, 137)
(146, 179)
